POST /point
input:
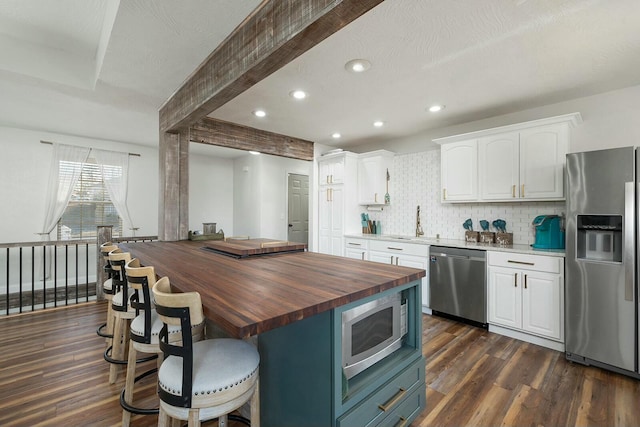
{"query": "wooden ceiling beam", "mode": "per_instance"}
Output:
(276, 33)
(224, 134)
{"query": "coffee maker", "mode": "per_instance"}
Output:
(549, 232)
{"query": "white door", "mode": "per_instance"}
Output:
(541, 299)
(337, 220)
(459, 165)
(543, 153)
(498, 166)
(324, 220)
(505, 297)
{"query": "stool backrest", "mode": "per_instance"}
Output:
(105, 248)
(117, 260)
(185, 310)
(141, 279)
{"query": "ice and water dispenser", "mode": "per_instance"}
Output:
(599, 237)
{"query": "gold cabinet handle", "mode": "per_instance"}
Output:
(522, 192)
(401, 423)
(513, 190)
(332, 178)
(394, 400)
(354, 244)
(375, 197)
(444, 194)
(363, 256)
(515, 280)
(391, 260)
(328, 190)
(397, 259)
(525, 281)
(328, 180)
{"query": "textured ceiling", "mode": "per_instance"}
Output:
(103, 68)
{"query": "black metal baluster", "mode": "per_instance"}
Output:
(33, 277)
(76, 273)
(8, 283)
(86, 274)
(55, 275)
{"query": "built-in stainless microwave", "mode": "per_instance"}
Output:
(372, 331)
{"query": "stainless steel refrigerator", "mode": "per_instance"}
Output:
(601, 290)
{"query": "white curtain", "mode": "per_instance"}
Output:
(61, 185)
(115, 172)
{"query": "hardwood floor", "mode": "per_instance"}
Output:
(52, 374)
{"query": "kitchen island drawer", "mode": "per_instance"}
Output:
(549, 264)
(388, 399)
(399, 247)
(406, 412)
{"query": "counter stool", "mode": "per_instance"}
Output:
(206, 379)
(122, 313)
(143, 332)
(106, 329)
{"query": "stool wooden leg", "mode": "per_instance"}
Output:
(255, 406)
(194, 419)
(128, 384)
(116, 350)
(163, 418)
(109, 327)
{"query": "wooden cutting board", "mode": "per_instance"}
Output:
(242, 248)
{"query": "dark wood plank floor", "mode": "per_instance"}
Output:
(52, 374)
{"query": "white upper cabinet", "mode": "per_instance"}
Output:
(372, 176)
(525, 161)
(459, 171)
(331, 170)
(543, 152)
(499, 159)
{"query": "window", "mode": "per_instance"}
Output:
(90, 204)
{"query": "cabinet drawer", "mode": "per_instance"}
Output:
(354, 243)
(548, 264)
(406, 412)
(399, 248)
(390, 396)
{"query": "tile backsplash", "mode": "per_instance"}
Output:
(416, 181)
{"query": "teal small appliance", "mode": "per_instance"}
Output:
(549, 232)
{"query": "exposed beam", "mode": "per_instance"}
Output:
(276, 33)
(217, 132)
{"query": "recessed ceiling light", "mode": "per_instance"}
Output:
(335, 135)
(259, 113)
(357, 65)
(255, 153)
(378, 123)
(298, 94)
(436, 108)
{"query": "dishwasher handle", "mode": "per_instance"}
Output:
(460, 257)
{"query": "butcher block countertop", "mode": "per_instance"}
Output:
(252, 295)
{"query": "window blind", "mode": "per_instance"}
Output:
(90, 204)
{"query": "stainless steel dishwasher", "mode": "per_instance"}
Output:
(457, 283)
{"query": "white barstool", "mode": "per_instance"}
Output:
(206, 379)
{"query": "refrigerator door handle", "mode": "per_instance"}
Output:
(629, 239)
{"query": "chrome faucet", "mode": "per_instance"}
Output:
(419, 231)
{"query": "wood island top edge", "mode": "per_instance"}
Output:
(250, 296)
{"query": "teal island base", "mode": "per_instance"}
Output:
(301, 380)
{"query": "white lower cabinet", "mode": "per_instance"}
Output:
(526, 294)
(356, 248)
(413, 255)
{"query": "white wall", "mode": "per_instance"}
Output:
(211, 190)
(24, 174)
(260, 196)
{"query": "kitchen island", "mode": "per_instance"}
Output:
(293, 303)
